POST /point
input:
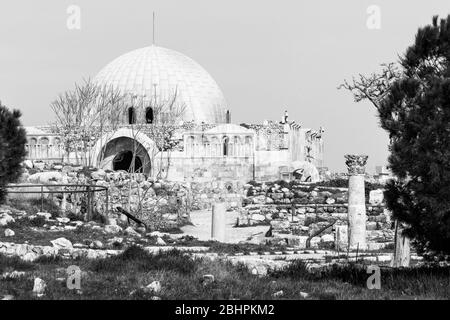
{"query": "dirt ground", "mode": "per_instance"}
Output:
(202, 227)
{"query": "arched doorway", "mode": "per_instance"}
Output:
(149, 115)
(119, 152)
(131, 116)
(124, 161)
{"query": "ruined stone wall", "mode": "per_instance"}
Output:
(297, 212)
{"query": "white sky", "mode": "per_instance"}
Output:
(267, 56)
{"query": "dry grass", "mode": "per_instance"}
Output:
(122, 277)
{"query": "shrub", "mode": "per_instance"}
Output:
(137, 258)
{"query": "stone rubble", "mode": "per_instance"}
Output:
(39, 287)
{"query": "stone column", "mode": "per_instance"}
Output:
(356, 201)
(218, 222)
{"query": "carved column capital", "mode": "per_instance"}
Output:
(356, 163)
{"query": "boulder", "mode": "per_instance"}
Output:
(112, 228)
(62, 243)
(46, 215)
(9, 233)
(5, 219)
(208, 279)
(48, 177)
(327, 238)
(376, 197)
(258, 217)
(131, 232)
(37, 164)
(154, 287)
(28, 164)
(39, 287)
(96, 245)
(160, 242)
(305, 171)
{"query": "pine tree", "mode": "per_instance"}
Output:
(413, 104)
(416, 114)
(12, 147)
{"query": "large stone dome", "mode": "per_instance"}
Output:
(137, 72)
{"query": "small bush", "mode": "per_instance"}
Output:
(14, 263)
(136, 258)
(298, 269)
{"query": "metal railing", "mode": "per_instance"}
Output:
(88, 190)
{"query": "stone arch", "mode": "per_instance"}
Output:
(44, 140)
(248, 146)
(226, 146)
(123, 140)
(215, 146)
(190, 143)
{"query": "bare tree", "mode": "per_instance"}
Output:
(159, 119)
(83, 114)
(375, 86)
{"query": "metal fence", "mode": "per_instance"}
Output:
(88, 191)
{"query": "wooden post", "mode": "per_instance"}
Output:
(402, 251)
(88, 205)
(42, 198)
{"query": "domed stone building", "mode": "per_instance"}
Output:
(206, 145)
(158, 72)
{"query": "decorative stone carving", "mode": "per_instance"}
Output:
(356, 164)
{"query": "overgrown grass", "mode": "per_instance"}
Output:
(32, 206)
(125, 275)
(135, 259)
(228, 248)
(14, 263)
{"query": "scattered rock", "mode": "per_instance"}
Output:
(63, 220)
(30, 256)
(131, 232)
(12, 275)
(160, 242)
(376, 197)
(304, 295)
(39, 287)
(5, 219)
(208, 279)
(96, 245)
(327, 238)
(112, 229)
(9, 233)
(278, 294)
(115, 241)
(62, 243)
(46, 215)
(154, 287)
